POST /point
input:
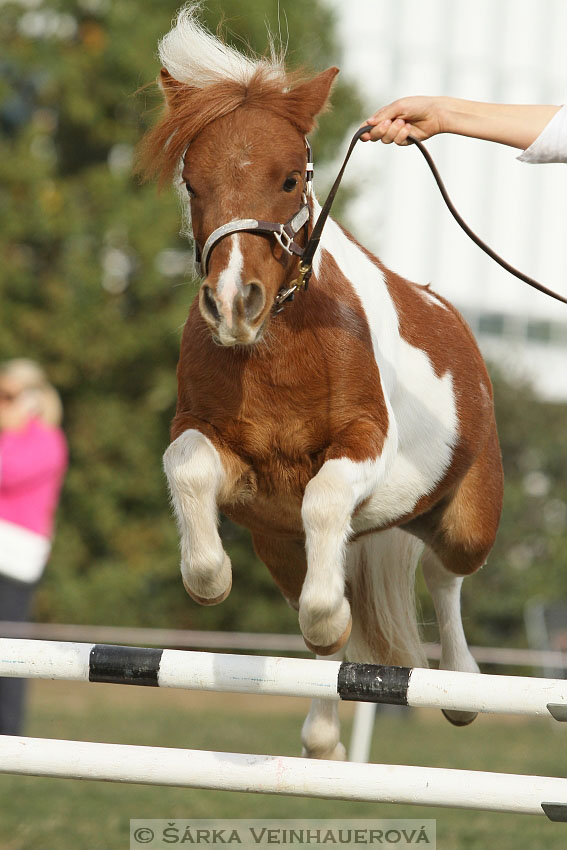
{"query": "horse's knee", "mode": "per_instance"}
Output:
(192, 465)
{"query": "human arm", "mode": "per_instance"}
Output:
(517, 125)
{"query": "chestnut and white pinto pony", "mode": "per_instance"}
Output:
(353, 433)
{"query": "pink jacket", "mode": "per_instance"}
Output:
(32, 465)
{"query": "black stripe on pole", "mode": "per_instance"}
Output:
(555, 811)
(124, 665)
(373, 683)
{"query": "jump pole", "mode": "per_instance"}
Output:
(299, 677)
(427, 786)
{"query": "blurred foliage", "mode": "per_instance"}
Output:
(95, 284)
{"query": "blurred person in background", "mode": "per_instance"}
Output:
(541, 131)
(33, 459)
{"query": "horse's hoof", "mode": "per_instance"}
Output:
(338, 753)
(459, 718)
(202, 600)
(334, 647)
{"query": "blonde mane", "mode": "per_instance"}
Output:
(196, 57)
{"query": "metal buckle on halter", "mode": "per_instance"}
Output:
(284, 239)
(283, 297)
(300, 282)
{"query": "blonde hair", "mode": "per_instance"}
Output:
(41, 398)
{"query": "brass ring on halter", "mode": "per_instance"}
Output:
(303, 276)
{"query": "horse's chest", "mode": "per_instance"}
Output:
(281, 456)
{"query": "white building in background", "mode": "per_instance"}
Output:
(496, 50)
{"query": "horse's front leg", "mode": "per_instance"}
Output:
(198, 472)
(328, 504)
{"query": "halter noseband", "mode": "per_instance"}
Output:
(284, 233)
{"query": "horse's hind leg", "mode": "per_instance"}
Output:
(445, 590)
(459, 540)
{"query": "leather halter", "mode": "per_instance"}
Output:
(285, 234)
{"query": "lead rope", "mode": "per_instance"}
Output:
(472, 235)
(305, 266)
(306, 263)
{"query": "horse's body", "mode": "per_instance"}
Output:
(349, 432)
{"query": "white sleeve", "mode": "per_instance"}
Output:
(551, 144)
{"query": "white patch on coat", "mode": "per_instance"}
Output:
(230, 280)
(423, 420)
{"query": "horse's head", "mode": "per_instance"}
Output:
(248, 166)
(239, 136)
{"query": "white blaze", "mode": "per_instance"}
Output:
(230, 280)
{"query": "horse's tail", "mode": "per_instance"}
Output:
(381, 576)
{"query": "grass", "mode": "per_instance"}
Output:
(60, 814)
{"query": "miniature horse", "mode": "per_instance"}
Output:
(352, 432)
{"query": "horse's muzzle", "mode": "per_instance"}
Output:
(234, 318)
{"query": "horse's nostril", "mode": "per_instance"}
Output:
(254, 299)
(209, 304)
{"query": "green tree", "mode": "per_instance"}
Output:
(95, 283)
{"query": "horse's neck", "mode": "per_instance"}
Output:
(368, 281)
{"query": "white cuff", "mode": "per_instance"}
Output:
(23, 553)
(551, 144)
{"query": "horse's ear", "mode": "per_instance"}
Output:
(166, 83)
(310, 98)
(170, 86)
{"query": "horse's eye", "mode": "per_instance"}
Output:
(289, 184)
(190, 190)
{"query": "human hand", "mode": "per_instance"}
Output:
(417, 116)
(13, 413)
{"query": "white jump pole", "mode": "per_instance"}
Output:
(211, 671)
(429, 786)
